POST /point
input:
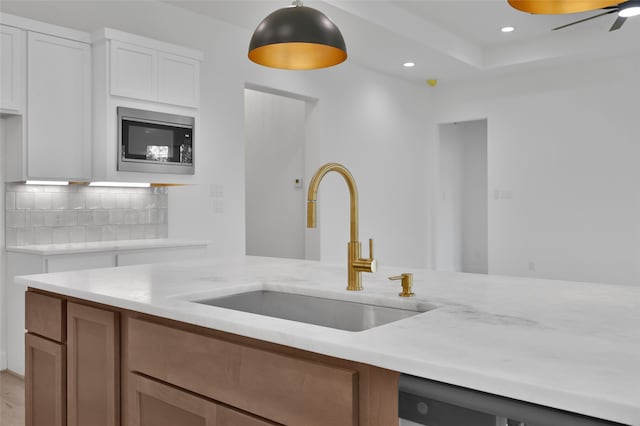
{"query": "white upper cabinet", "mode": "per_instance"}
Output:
(13, 60)
(58, 108)
(178, 79)
(134, 71)
(151, 70)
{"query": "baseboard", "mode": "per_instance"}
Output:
(3, 361)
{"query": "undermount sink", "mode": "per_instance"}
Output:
(340, 314)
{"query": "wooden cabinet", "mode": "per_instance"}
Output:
(153, 403)
(58, 108)
(13, 60)
(45, 385)
(45, 379)
(93, 354)
(115, 366)
(279, 387)
(145, 71)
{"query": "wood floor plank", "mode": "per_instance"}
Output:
(12, 409)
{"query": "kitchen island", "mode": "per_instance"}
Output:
(566, 345)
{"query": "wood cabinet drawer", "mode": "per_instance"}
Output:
(44, 315)
(156, 404)
(278, 387)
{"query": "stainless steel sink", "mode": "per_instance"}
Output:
(332, 313)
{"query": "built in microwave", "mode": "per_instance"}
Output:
(155, 142)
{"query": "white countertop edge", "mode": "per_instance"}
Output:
(503, 386)
(105, 246)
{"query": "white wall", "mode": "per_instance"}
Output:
(563, 144)
(462, 197)
(378, 126)
(274, 153)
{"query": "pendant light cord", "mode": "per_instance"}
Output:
(296, 3)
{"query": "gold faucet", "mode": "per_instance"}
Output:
(355, 264)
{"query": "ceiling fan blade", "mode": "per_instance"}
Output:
(618, 23)
(585, 19)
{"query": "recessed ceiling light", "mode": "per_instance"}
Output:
(507, 29)
(409, 64)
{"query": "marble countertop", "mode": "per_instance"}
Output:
(568, 345)
(103, 246)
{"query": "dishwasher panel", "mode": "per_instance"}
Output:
(431, 403)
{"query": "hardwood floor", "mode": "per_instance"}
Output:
(11, 400)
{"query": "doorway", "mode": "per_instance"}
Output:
(462, 198)
(274, 171)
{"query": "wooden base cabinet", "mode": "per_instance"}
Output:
(93, 385)
(94, 365)
(45, 384)
(153, 403)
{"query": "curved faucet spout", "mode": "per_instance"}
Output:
(312, 197)
(355, 263)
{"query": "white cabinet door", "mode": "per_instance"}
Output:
(178, 80)
(134, 71)
(58, 108)
(13, 60)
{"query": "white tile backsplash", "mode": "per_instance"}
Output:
(92, 200)
(25, 200)
(61, 235)
(101, 217)
(59, 201)
(10, 200)
(76, 201)
(34, 218)
(44, 236)
(53, 218)
(85, 217)
(76, 213)
(16, 218)
(43, 201)
(123, 201)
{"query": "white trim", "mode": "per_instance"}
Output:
(44, 28)
(111, 34)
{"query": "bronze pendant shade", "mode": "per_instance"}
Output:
(297, 38)
(553, 7)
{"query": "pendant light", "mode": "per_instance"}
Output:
(553, 7)
(297, 38)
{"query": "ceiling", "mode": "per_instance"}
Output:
(447, 39)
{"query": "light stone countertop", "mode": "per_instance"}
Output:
(568, 345)
(104, 246)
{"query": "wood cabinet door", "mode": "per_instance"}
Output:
(154, 403)
(58, 108)
(93, 365)
(13, 59)
(45, 390)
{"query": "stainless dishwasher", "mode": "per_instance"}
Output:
(427, 402)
